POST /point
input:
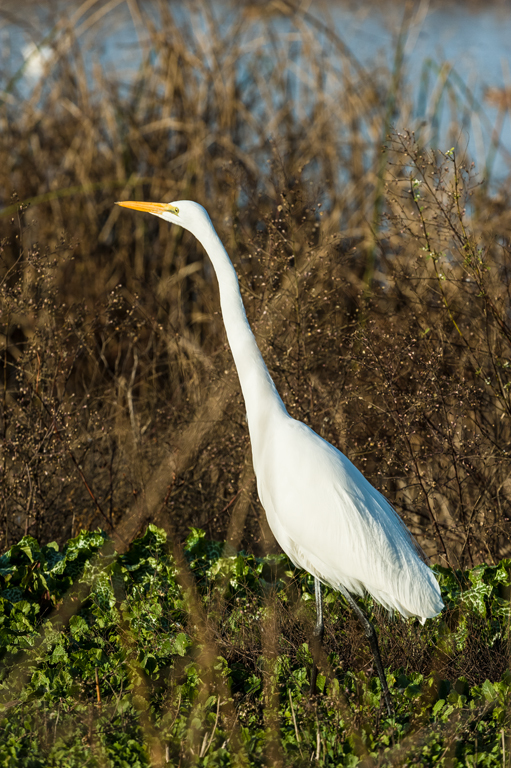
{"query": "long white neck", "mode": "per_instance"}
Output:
(259, 391)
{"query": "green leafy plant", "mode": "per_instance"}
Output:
(148, 658)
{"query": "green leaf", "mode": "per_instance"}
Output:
(488, 691)
(78, 625)
(181, 644)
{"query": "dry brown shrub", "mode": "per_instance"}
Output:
(389, 335)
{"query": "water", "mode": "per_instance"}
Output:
(472, 44)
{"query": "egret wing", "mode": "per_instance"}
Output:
(333, 523)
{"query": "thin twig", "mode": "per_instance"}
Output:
(294, 721)
(98, 692)
(203, 751)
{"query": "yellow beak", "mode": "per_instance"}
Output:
(156, 208)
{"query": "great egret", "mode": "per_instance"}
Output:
(325, 515)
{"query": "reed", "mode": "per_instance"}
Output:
(376, 279)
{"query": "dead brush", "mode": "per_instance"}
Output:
(120, 403)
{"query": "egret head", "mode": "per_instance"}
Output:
(189, 215)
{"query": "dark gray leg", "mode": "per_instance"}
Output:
(317, 638)
(370, 633)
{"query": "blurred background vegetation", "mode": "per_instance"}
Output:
(373, 261)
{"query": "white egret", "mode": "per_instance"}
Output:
(325, 515)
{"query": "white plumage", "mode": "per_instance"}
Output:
(331, 521)
(323, 512)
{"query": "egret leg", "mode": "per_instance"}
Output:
(370, 633)
(317, 638)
